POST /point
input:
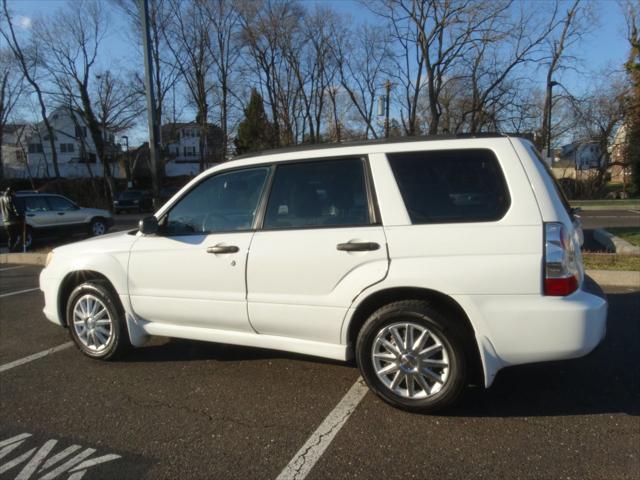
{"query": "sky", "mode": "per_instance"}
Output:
(604, 46)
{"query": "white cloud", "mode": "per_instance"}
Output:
(23, 22)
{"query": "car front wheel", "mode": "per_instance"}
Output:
(412, 356)
(96, 321)
(97, 227)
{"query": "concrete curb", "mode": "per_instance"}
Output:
(616, 278)
(23, 258)
(609, 278)
(616, 244)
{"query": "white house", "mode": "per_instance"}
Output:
(74, 146)
(581, 155)
(182, 143)
(14, 150)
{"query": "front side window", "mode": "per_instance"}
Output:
(223, 202)
(451, 186)
(60, 204)
(318, 194)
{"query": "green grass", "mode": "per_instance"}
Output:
(630, 234)
(611, 261)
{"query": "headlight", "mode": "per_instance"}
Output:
(48, 260)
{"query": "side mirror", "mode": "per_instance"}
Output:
(148, 225)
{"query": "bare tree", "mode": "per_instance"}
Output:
(71, 41)
(28, 62)
(11, 88)
(187, 37)
(570, 30)
(225, 50)
(361, 57)
(165, 68)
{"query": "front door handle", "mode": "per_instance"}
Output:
(31, 214)
(60, 213)
(223, 249)
(358, 246)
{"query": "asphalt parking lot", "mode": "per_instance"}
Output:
(183, 409)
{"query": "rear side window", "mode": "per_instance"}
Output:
(318, 194)
(451, 186)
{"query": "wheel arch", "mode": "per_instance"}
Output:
(71, 281)
(440, 301)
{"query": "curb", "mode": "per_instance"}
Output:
(616, 244)
(615, 278)
(24, 258)
(609, 278)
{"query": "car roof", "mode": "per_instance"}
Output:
(363, 143)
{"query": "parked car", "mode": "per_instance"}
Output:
(435, 263)
(133, 201)
(51, 215)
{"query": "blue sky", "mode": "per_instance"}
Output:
(604, 46)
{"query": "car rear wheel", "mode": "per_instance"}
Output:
(96, 321)
(97, 227)
(412, 356)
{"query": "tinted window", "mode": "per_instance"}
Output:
(130, 195)
(451, 185)
(60, 204)
(314, 194)
(223, 202)
(36, 204)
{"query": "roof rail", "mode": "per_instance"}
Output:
(359, 143)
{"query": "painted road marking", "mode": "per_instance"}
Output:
(11, 268)
(34, 459)
(19, 292)
(35, 356)
(303, 461)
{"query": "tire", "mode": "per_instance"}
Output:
(401, 379)
(97, 334)
(97, 227)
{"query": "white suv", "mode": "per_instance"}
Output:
(435, 263)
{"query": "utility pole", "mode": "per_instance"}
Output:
(387, 87)
(550, 86)
(127, 163)
(154, 130)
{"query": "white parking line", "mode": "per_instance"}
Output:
(303, 461)
(19, 292)
(11, 268)
(35, 356)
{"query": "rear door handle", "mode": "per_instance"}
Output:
(358, 246)
(223, 249)
(31, 214)
(60, 213)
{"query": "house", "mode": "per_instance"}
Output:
(579, 155)
(183, 147)
(75, 149)
(620, 170)
(14, 150)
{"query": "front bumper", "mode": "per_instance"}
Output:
(49, 286)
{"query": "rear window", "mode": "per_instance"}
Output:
(451, 186)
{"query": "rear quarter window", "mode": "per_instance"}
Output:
(451, 186)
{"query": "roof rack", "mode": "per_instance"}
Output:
(359, 143)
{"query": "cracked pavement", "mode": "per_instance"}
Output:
(182, 409)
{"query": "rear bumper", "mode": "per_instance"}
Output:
(523, 329)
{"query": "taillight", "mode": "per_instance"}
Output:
(561, 265)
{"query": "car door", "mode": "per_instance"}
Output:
(38, 213)
(320, 245)
(66, 213)
(192, 272)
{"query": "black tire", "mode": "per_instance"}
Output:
(448, 332)
(118, 342)
(97, 223)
